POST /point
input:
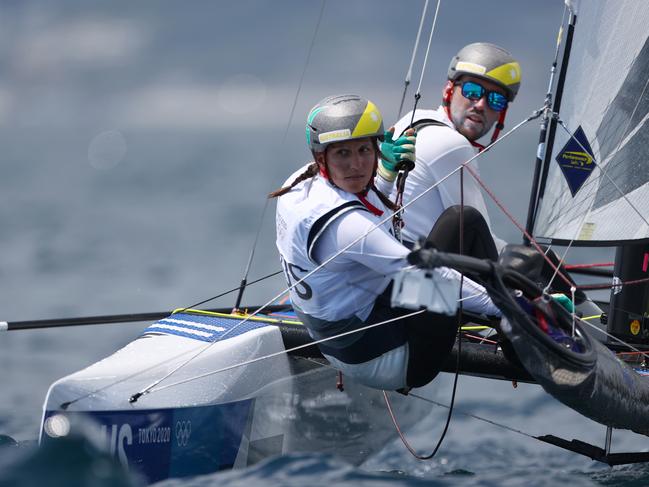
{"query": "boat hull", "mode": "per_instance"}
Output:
(198, 421)
(589, 378)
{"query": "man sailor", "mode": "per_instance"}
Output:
(482, 79)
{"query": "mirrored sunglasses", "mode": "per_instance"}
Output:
(474, 91)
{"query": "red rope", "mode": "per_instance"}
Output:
(481, 339)
(570, 267)
(589, 287)
(398, 428)
(609, 285)
(518, 225)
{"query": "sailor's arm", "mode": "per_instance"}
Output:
(379, 251)
(372, 247)
(441, 165)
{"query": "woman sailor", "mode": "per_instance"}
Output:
(332, 204)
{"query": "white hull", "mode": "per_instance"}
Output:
(230, 419)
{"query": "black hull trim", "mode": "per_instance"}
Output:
(480, 360)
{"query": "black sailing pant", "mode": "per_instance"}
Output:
(430, 335)
(476, 239)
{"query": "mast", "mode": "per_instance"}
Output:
(544, 150)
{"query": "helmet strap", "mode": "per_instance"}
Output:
(500, 124)
(448, 93)
(324, 172)
(446, 98)
(446, 103)
(322, 167)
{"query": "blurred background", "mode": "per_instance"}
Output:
(139, 139)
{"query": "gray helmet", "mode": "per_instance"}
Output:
(342, 117)
(490, 62)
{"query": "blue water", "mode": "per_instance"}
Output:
(132, 179)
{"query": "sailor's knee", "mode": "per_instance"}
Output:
(470, 217)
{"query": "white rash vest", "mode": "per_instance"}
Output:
(440, 150)
(309, 219)
(315, 220)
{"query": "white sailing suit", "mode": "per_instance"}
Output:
(315, 220)
(440, 150)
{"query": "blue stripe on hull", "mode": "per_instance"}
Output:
(181, 442)
(189, 325)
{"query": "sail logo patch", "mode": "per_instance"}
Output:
(576, 160)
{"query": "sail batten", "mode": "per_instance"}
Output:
(597, 190)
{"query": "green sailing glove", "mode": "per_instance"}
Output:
(564, 301)
(397, 154)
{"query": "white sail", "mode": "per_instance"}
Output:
(602, 197)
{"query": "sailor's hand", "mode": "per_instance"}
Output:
(564, 301)
(423, 257)
(397, 155)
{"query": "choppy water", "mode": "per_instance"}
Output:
(137, 145)
(150, 233)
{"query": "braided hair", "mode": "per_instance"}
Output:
(310, 172)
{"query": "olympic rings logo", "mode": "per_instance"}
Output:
(183, 432)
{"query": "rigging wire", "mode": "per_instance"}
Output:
(474, 416)
(381, 222)
(165, 362)
(495, 199)
(572, 267)
(541, 147)
(324, 340)
(306, 65)
(412, 59)
(439, 404)
(283, 352)
(459, 354)
(272, 274)
(244, 280)
(423, 68)
(457, 362)
(403, 174)
(146, 390)
(621, 342)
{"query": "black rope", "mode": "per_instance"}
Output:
(123, 318)
(232, 290)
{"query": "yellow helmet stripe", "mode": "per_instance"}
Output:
(369, 122)
(507, 74)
